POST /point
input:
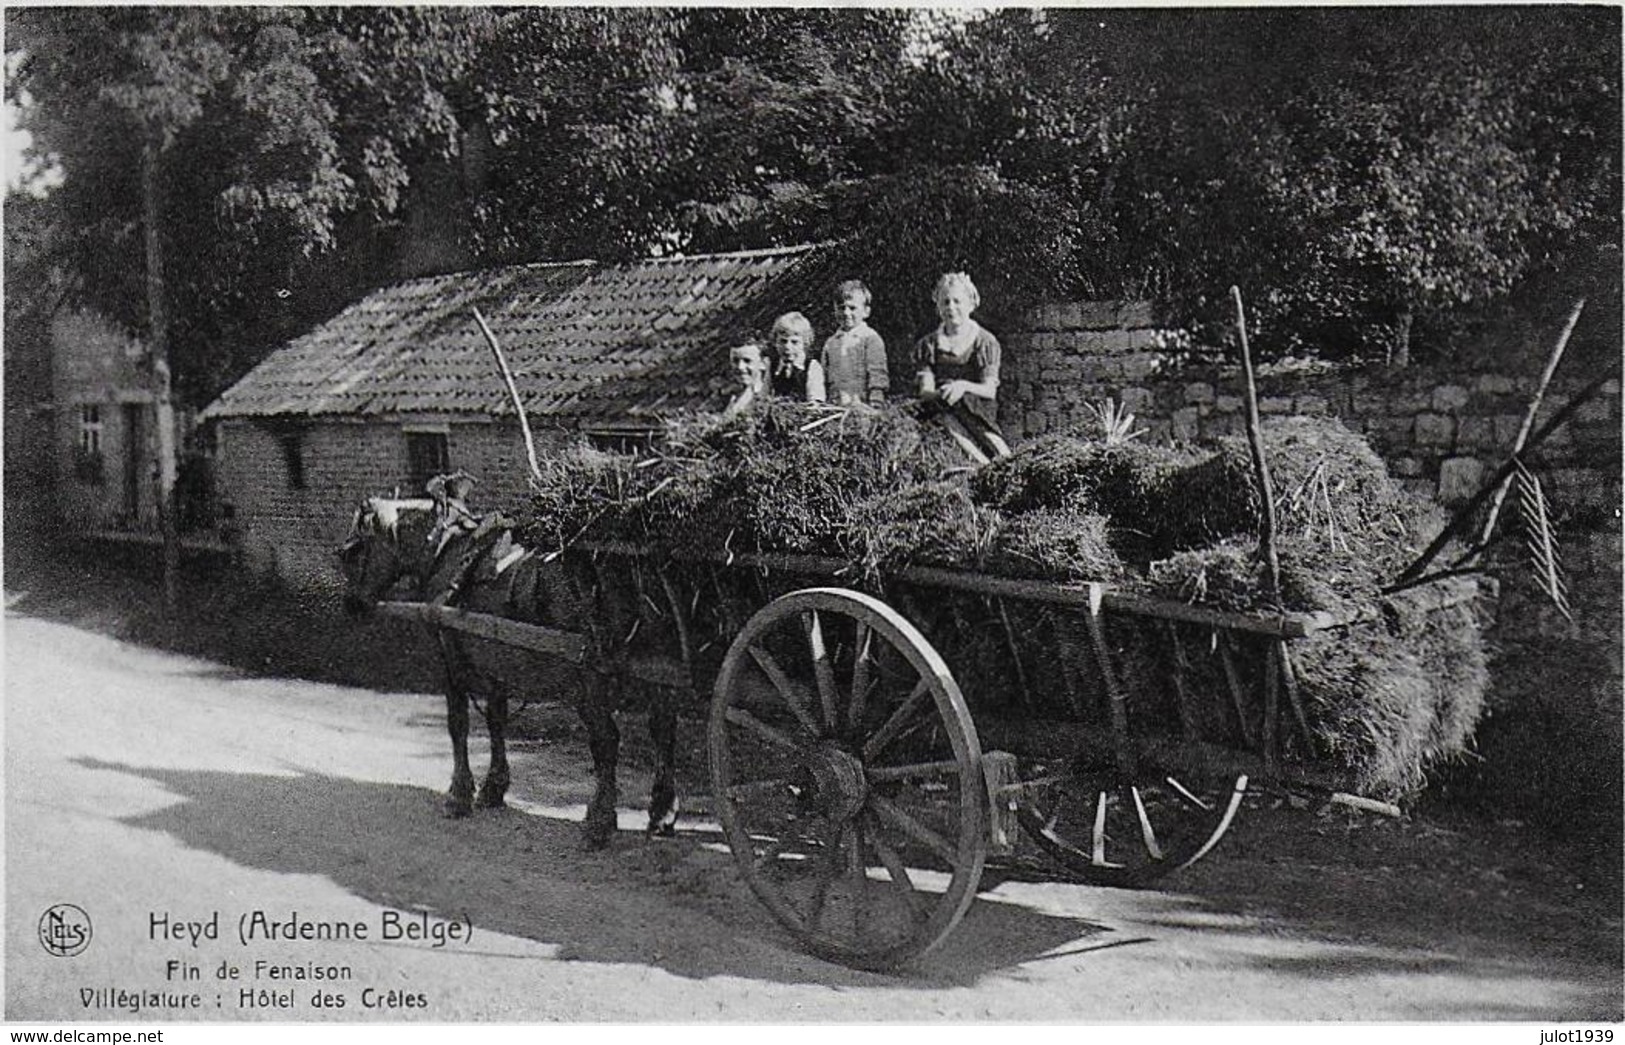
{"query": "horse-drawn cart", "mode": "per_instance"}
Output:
(872, 741)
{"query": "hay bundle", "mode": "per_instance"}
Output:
(803, 468)
(1061, 471)
(924, 522)
(1230, 575)
(582, 492)
(1370, 706)
(1055, 544)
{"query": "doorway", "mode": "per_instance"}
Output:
(135, 447)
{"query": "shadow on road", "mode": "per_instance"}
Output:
(644, 902)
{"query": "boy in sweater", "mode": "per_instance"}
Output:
(854, 356)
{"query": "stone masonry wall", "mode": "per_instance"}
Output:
(1440, 430)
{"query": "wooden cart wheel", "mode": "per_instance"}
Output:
(848, 777)
(1118, 831)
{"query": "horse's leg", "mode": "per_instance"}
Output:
(496, 724)
(459, 798)
(663, 794)
(604, 741)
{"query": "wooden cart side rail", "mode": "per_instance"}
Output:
(1442, 594)
(569, 645)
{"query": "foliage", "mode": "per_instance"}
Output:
(1358, 173)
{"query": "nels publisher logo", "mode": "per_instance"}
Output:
(64, 930)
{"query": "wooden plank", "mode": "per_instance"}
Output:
(1272, 704)
(1116, 698)
(1188, 721)
(570, 645)
(1282, 625)
(1289, 679)
(1238, 694)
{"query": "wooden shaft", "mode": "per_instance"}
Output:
(1529, 420)
(1015, 654)
(1465, 512)
(1289, 679)
(679, 616)
(1187, 713)
(1071, 669)
(1238, 696)
(1272, 701)
(1261, 471)
(513, 391)
(1116, 699)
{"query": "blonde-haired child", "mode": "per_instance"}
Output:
(794, 375)
(958, 366)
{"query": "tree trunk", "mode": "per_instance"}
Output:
(1399, 351)
(158, 345)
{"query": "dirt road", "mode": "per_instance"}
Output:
(179, 805)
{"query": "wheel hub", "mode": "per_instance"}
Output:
(835, 785)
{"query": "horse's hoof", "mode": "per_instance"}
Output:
(456, 808)
(490, 799)
(658, 829)
(595, 839)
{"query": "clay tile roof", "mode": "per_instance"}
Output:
(587, 343)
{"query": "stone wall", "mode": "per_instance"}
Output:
(1439, 429)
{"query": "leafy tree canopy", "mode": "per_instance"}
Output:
(1355, 171)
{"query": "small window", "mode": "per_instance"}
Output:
(620, 441)
(90, 429)
(427, 455)
(293, 455)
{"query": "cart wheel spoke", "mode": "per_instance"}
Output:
(823, 670)
(898, 873)
(1148, 834)
(1191, 798)
(774, 787)
(913, 828)
(1097, 852)
(797, 700)
(858, 875)
(860, 674)
(898, 723)
(1127, 833)
(916, 771)
(832, 861)
(838, 816)
(741, 717)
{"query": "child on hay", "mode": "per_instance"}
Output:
(854, 357)
(959, 371)
(794, 375)
(750, 368)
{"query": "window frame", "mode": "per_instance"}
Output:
(415, 435)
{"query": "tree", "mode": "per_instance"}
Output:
(128, 106)
(1356, 171)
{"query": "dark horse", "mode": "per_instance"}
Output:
(442, 553)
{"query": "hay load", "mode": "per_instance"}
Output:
(881, 491)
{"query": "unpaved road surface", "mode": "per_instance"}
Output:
(152, 790)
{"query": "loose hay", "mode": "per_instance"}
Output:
(933, 523)
(1384, 699)
(1055, 544)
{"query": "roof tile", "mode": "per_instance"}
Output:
(585, 342)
